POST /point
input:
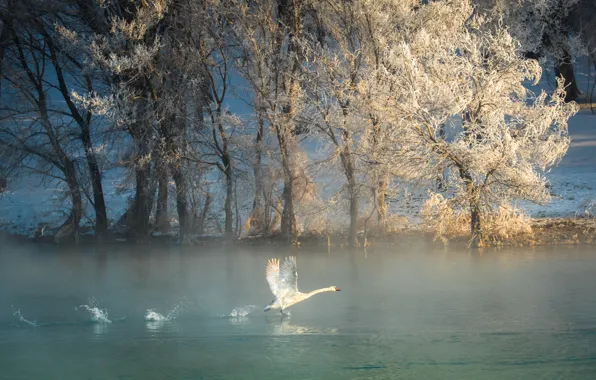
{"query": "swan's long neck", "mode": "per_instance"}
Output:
(322, 290)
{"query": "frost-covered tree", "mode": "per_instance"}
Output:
(499, 138)
(150, 56)
(545, 29)
(217, 64)
(125, 48)
(38, 70)
(336, 67)
(269, 34)
(393, 88)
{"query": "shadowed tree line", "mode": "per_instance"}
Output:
(149, 90)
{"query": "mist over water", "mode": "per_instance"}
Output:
(408, 312)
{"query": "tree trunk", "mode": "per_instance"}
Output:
(70, 229)
(289, 14)
(381, 194)
(181, 202)
(267, 197)
(142, 202)
(474, 200)
(229, 226)
(226, 169)
(288, 217)
(4, 42)
(475, 225)
(257, 216)
(441, 175)
(203, 217)
(565, 69)
(353, 234)
(161, 212)
(144, 188)
(99, 205)
(353, 194)
(381, 178)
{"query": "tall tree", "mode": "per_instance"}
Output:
(499, 137)
(268, 32)
(45, 141)
(336, 72)
(30, 28)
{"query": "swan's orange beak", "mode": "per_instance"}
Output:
(337, 289)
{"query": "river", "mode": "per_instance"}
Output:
(406, 312)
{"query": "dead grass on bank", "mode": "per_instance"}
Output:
(505, 225)
(564, 231)
(502, 230)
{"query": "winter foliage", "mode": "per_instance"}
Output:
(275, 117)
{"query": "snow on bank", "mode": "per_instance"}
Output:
(26, 204)
(573, 181)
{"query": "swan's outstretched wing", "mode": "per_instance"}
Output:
(272, 275)
(288, 277)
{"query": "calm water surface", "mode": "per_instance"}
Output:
(407, 312)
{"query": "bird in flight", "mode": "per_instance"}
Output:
(284, 284)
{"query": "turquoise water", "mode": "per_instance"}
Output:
(406, 312)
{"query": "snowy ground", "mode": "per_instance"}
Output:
(27, 204)
(573, 181)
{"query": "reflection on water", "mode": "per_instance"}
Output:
(285, 327)
(155, 325)
(408, 312)
(100, 328)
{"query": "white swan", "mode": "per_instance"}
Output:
(284, 284)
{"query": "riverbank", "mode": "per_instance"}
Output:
(544, 231)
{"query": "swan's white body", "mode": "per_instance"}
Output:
(284, 284)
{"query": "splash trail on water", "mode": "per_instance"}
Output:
(17, 313)
(153, 316)
(242, 311)
(97, 315)
(22, 321)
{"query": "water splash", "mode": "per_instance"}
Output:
(96, 314)
(17, 313)
(242, 311)
(154, 316)
(239, 315)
